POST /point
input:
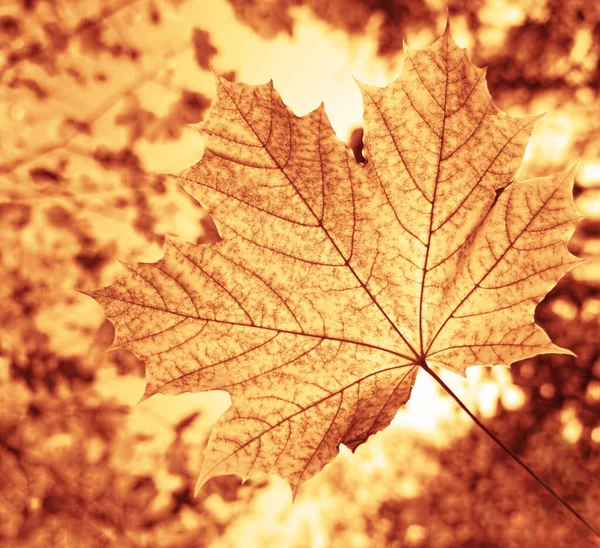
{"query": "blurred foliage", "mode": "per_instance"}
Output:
(544, 32)
(87, 94)
(94, 101)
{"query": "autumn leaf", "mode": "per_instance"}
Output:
(335, 281)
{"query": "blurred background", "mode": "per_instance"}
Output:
(95, 98)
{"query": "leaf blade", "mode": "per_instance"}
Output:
(333, 281)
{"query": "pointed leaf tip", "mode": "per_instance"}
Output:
(447, 25)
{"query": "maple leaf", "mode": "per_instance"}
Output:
(334, 282)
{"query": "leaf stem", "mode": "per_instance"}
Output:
(513, 455)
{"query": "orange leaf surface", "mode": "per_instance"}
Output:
(334, 281)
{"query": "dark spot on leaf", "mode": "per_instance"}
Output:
(90, 260)
(121, 203)
(15, 215)
(126, 363)
(43, 175)
(51, 504)
(191, 107)
(10, 26)
(58, 216)
(33, 52)
(58, 39)
(159, 186)
(184, 423)
(230, 75)
(203, 49)
(356, 145)
(142, 482)
(31, 85)
(105, 335)
(211, 234)
(34, 410)
(124, 158)
(80, 125)
(499, 192)
(153, 14)
(75, 74)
